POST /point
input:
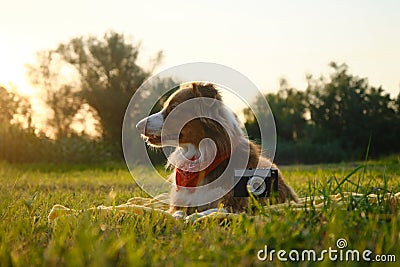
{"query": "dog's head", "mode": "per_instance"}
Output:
(194, 130)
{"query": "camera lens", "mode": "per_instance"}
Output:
(256, 185)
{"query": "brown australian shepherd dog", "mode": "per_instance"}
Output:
(231, 148)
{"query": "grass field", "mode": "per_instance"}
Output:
(27, 238)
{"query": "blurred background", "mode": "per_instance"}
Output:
(330, 71)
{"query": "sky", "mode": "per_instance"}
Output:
(264, 40)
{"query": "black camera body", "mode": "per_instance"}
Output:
(260, 182)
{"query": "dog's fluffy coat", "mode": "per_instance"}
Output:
(222, 132)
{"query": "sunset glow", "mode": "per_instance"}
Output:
(265, 41)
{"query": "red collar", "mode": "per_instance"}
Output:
(191, 179)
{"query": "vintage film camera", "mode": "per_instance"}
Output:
(260, 182)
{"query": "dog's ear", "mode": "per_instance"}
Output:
(209, 108)
(206, 90)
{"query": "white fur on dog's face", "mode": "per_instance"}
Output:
(151, 127)
(152, 124)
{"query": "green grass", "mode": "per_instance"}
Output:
(27, 238)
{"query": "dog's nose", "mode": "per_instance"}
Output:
(141, 126)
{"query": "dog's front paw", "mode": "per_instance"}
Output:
(179, 214)
(197, 215)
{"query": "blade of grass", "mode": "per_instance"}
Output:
(365, 163)
(348, 176)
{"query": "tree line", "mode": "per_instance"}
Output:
(92, 79)
(337, 118)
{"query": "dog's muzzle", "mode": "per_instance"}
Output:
(152, 124)
(141, 126)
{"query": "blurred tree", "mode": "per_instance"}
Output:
(109, 76)
(14, 108)
(348, 109)
(289, 109)
(7, 106)
(50, 75)
(334, 119)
